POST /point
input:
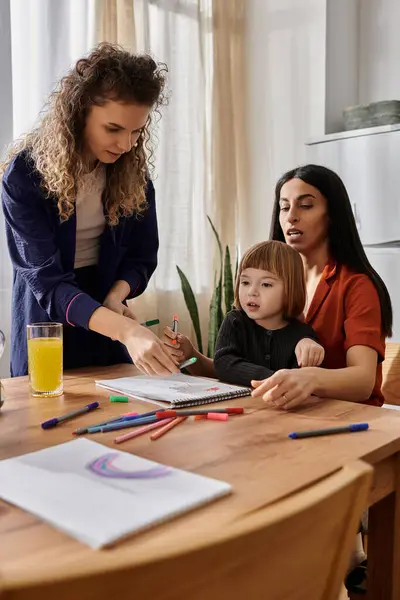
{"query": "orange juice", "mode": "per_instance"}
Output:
(45, 358)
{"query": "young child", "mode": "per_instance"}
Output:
(265, 332)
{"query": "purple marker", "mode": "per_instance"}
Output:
(75, 413)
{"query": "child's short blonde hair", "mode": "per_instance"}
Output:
(284, 262)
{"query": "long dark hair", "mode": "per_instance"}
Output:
(344, 242)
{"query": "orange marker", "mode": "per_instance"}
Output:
(141, 430)
(166, 428)
(175, 324)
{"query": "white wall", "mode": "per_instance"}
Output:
(308, 60)
(286, 70)
(342, 60)
(379, 50)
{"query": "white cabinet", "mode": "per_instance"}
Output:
(368, 161)
(386, 262)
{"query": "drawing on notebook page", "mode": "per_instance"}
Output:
(188, 388)
(183, 387)
(105, 467)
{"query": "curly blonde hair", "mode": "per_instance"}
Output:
(55, 146)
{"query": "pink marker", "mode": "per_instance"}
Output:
(213, 416)
(217, 416)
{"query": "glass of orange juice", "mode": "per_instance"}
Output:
(45, 359)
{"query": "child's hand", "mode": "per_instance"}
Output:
(309, 353)
(182, 349)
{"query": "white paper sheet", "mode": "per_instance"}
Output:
(58, 485)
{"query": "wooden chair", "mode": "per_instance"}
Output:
(391, 393)
(391, 374)
(295, 549)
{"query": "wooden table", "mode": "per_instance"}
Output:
(252, 452)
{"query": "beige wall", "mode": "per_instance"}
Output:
(307, 60)
(379, 50)
(286, 71)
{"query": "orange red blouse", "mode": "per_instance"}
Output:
(345, 311)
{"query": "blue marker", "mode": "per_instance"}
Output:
(98, 426)
(331, 431)
(123, 424)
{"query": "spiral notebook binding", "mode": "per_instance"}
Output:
(198, 400)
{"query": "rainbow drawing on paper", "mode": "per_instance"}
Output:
(105, 467)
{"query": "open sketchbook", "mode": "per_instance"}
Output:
(178, 391)
(98, 495)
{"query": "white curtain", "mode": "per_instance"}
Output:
(201, 160)
(48, 36)
(6, 132)
(39, 40)
(179, 34)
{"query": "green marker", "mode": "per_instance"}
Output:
(150, 323)
(188, 362)
(119, 399)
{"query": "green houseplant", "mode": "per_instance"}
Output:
(221, 301)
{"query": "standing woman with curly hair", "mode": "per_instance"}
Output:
(80, 214)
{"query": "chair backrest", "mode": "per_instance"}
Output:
(295, 549)
(391, 374)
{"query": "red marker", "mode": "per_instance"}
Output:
(198, 411)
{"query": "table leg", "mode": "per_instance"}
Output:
(383, 579)
(396, 538)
